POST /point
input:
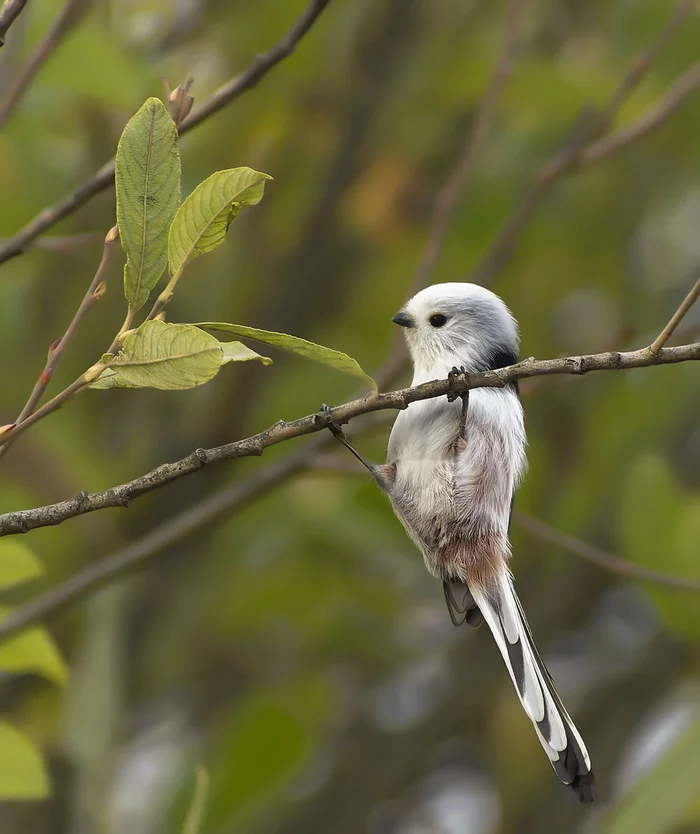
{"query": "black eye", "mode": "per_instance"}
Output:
(438, 320)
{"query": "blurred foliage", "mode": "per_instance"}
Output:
(299, 650)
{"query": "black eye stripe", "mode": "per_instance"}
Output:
(437, 319)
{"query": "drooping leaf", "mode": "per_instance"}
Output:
(202, 221)
(147, 174)
(238, 352)
(22, 772)
(293, 344)
(32, 651)
(170, 357)
(17, 563)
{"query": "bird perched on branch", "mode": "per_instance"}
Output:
(451, 473)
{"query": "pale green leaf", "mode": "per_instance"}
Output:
(195, 814)
(17, 563)
(202, 221)
(32, 650)
(238, 352)
(165, 356)
(170, 357)
(22, 772)
(147, 175)
(293, 344)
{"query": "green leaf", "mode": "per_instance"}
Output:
(170, 357)
(147, 175)
(22, 771)
(32, 651)
(293, 344)
(663, 797)
(238, 352)
(17, 563)
(202, 221)
(195, 814)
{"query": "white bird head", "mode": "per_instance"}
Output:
(458, 324)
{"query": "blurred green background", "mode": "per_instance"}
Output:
(299, 651)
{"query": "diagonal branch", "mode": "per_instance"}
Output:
(120, 496)
(142, 553)
(607, 561)
(10, 11)
(676, 319)
(585, 143)
(57, 349)
(68, 18)
(104, 178)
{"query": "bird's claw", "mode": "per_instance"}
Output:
(452, 376)
(324, 420)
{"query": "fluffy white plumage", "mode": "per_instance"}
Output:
(453, 493)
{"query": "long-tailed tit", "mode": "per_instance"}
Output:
(451, 472)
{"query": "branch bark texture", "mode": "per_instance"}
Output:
(121, 496)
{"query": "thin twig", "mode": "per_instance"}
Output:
(68, 18)
(10, 11)
(104, 178)
(677, 94)
(122, 495)
(676, 319)
(608, 561)
(94, 292)
(584, 137)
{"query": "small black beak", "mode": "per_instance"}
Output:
(403, 319)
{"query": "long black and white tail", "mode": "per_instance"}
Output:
(556, 731)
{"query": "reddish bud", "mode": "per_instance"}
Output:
(7, 428)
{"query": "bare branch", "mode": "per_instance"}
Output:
(29, 414)
(608, 561)
(68, 18)
(676, 319)
(584, 138)
(104, 178)
(24, 520)
(676, 95)
(10, 11)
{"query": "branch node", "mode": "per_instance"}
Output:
(201, 456)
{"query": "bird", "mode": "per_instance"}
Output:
(452, 469)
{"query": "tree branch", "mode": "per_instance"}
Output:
(608, 561)
(143, 552)
(120, 496)
(584, 143)
(10, 11)
(57, 349)
(104, 178)
(676, 319)
(69, 17)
